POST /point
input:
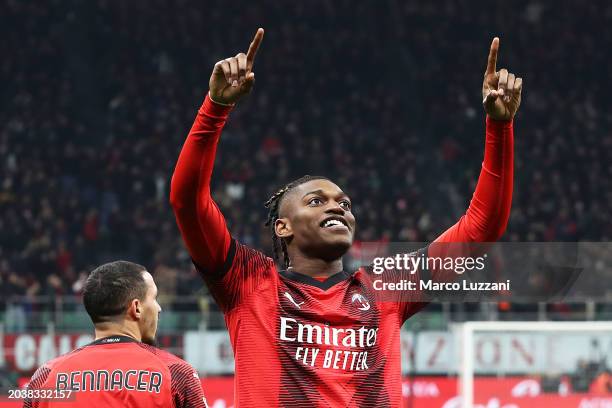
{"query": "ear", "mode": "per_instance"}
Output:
(282, 228)
(135, 309)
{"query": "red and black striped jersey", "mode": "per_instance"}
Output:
(301, 342)
(118, 371)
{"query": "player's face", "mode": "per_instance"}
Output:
(317, 218)
(150, 311)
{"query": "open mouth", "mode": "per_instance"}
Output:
(335, 223)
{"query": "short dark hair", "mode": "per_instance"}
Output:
(110, 287)
(279, 246)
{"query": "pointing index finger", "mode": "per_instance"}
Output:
(254, 47)
(492, 62)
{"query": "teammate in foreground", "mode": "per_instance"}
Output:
(311, 335)
(120, 368)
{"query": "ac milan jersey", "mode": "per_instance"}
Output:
(300, 342)
(119, 371)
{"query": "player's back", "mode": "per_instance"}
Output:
(116, 371)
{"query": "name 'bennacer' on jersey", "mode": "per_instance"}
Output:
(106, 380)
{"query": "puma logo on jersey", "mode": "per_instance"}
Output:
(360, 301)
(288, 296)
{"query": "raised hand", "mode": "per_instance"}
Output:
(232, 78)
(501, 90)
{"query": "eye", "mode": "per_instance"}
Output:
(345, 204)
(315, 201)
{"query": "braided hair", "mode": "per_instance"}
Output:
(273, 205)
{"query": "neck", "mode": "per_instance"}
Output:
(314, 267)
(108, 329)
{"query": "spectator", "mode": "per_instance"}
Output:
(98, 96)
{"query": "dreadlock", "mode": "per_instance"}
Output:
(273, 204)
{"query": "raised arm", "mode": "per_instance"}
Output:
(198, 217)
(487, 215)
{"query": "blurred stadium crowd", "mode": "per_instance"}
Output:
(382, 97)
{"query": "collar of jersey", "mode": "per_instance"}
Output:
(326, 284)
(113, 340)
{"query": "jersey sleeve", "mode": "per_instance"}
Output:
(199, 219)
(36, 382)
(486, 217)
(231, 270)
(186, 386)
(245, 269)
(407, 301)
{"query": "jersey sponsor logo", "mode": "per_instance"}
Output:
(288, 296)
(294, 331)
(361, 339)
(360, 301)
(104, 380)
